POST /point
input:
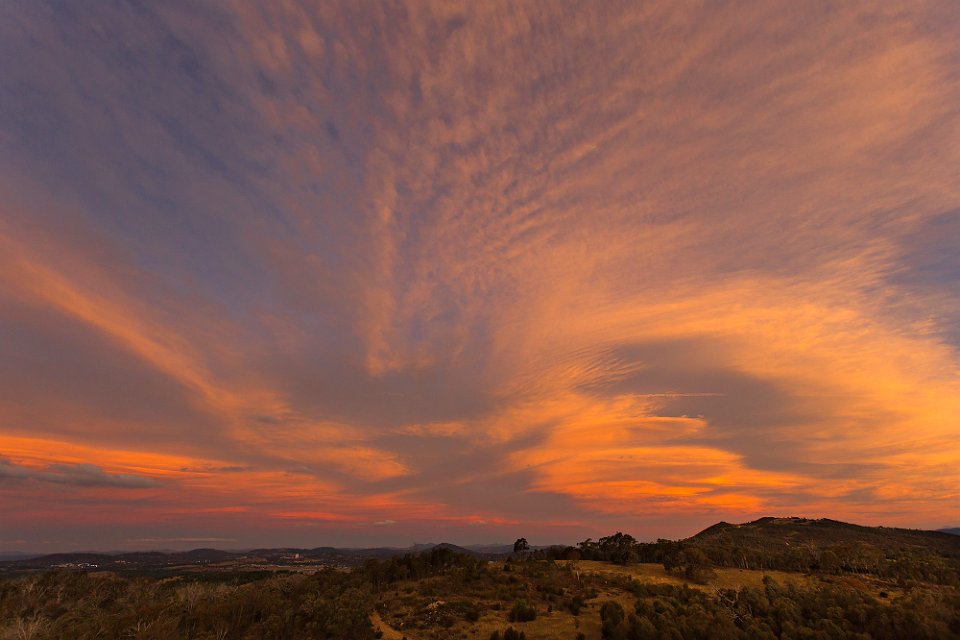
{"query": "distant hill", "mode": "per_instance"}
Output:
(793, 531)
(803, 544)
(278, 557)
(953, 531)
(495, 549)
(16, 555)
(463, 550)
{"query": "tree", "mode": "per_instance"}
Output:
(618, 548)
(696, 565)
(521, 546)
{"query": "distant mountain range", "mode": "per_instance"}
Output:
(252, 559)
(16, 555)
(765, 535)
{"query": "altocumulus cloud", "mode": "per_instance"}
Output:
(480, 269)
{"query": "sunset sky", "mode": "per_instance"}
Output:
(357, 273)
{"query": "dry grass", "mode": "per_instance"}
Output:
(726, 578)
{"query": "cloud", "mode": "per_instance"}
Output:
(581, 266)
(79, 475)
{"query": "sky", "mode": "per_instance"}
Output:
(341, 273)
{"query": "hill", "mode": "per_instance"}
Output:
(790, 544)
(808, 531)
(802, 544)
(16, 555)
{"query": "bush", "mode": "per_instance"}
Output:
(576, 603)
(513, 634)
(611, 617)
(522, 612)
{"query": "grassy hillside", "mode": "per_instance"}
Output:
(830, 546)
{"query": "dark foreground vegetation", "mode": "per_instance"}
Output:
(884, 584)
(779, 611)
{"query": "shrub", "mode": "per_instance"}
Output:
(513, 634)
(522, 612)
(611, 617)
(576, 603)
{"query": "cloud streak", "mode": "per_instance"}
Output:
(78, 475)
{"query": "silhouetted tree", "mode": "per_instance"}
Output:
(521, 546)
(618, 548)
